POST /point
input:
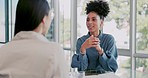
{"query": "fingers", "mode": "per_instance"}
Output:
(93, 39)
(94, 45)
(90, 39)
(95, 42)
(92, 42)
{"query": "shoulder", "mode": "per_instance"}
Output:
(107, 36)
(83, 38)
(52, 46)
(41, 46)
(51, 50)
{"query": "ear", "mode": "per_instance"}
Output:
(44, 19)
(102, 23)
(43, 23)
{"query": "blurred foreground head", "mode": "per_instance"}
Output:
(29, 14)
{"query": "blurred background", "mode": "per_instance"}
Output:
(127, 22)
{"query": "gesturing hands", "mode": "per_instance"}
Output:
(91, 42)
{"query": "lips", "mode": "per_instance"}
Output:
(90, 28)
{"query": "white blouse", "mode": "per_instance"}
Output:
(31, 55)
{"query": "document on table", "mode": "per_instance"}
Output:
(106, 75)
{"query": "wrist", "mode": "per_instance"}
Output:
(83, 50)
(101, 51)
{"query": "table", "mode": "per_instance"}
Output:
(82, 75)
(106, 75)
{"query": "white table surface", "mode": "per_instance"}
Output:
(106, 75)
(82, 75)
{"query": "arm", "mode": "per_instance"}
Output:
(79, 60)
(57, 65)
(109, 57)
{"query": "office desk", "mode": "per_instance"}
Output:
(106, 75)
(82, 75)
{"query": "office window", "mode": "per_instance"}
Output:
(141, 68)
(124, 68)
(142, 26)
(116, 23)
(65, 23)
(2, 21)
(65, 29)
(68, 58)
(12, 14)
(50, 35)
(142, 38)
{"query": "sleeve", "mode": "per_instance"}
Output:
(108, 59)
(78, 60)
(61, 69)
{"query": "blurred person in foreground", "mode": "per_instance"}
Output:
(96, 52)
(30, 54)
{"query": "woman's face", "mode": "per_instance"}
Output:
(93, 22)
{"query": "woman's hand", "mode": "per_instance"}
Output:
(99, 49)
(90, 42)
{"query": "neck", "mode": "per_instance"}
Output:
(95, 34)
(39, 29)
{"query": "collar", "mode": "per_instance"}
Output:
(99, 36)
(29, 35)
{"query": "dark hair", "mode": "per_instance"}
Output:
(99, 6)
(29, 14)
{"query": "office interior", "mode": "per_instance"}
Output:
(127, 22)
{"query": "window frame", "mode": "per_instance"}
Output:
(6, 22)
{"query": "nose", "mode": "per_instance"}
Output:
(89, 23)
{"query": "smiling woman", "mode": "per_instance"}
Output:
(96, 51)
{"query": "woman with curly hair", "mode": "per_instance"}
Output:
(96, 52)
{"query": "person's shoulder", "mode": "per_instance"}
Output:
(52, 48)
(108, 36)
(52, 44)
(84, 37)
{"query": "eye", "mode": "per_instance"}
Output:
(87, 19)
(94, 19)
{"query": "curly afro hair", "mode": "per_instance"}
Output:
(99, 6)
